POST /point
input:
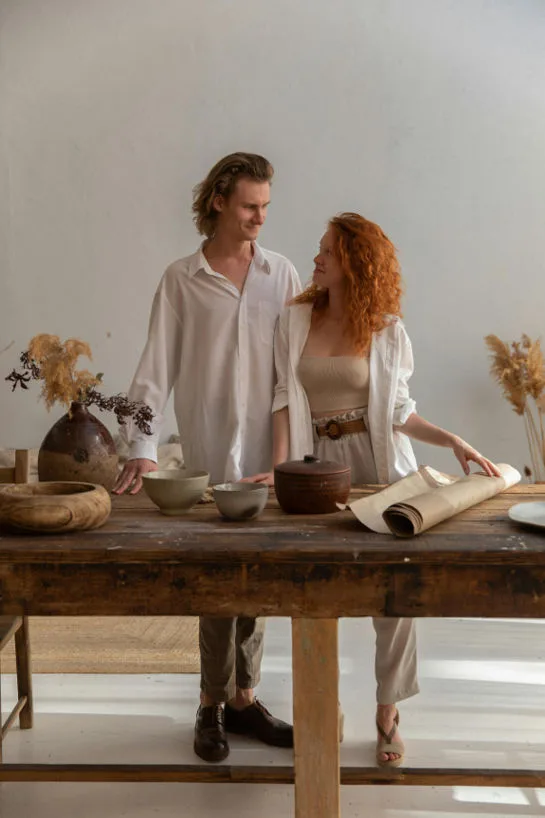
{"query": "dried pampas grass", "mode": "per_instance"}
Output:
(53, 362)
(61, 381)
(519, 368)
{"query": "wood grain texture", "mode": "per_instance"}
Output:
(24, 675)
(22, 465)
(8, 627)
(137, 532)
(318, 567)
(316, 717)
(268, 774)
(54, 507)
(140, 563)
(20, 471)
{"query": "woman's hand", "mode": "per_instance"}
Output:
(464, 453)
(267, 478)
(420, 429)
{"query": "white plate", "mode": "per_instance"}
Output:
(528, 513)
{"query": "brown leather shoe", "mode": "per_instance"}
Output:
(256, 721)
(210, 740)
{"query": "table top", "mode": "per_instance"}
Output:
(137, 532)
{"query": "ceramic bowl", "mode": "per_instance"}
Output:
(311, 486)
(175, 491)
(240, 501)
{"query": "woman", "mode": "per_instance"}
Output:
(343, 360)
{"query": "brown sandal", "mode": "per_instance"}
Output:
(386, 745)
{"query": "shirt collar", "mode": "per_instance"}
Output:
(199, 262)
(259, 258)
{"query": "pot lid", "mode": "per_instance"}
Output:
(312, 465)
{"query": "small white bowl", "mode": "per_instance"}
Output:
(175, 491)
(240, 501)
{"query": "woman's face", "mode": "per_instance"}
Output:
(327, 270)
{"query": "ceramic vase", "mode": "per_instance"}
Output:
(78, 447)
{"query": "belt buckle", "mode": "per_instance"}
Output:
(333, 430)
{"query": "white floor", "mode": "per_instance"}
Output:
(482, 704)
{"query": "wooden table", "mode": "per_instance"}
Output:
(313, 569)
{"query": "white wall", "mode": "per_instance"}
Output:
(427, 116)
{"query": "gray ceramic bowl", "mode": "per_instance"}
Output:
(175, 491)
(240, 501)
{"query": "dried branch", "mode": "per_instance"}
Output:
(52, 362)
(123, 408)
(519, 368)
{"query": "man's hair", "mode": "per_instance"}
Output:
(221, 180)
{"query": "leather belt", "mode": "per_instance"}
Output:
(335, 429)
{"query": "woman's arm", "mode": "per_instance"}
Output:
(281, 436)
(281, 447)
(407, 421)
(281, 418)
(418, 428)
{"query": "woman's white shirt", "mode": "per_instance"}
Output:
(390, 367)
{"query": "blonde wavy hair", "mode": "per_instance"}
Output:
(221, 180)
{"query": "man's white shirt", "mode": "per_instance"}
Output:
(213, 347)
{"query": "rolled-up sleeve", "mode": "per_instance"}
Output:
(281, 361)
(404, 405)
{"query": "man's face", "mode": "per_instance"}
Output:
(242, 215)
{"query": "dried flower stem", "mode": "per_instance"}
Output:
(52, 362)
(542, 434)
(519, 368)
(530, 446)
(539, 444)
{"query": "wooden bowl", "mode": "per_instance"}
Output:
(54, 507)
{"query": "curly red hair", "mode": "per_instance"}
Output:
(373, 279)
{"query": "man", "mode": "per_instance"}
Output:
(211, 340)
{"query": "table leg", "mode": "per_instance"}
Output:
(1, 732)
(316, 718)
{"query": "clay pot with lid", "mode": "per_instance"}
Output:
(311, 486)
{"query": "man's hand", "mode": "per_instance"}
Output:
(267, 478)
(132, 474)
